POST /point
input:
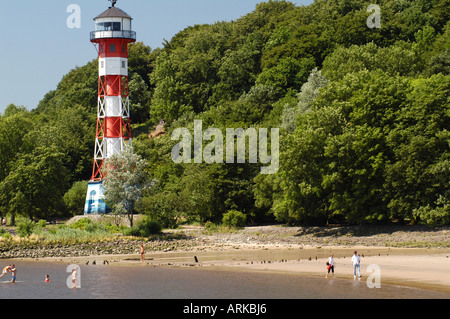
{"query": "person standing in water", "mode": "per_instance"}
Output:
(143, 253)
(356, 260)
(13, 273)
(74, 278)
(330, 265)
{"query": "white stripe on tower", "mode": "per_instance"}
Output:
(113, 66)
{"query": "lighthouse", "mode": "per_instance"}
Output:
(113, 32)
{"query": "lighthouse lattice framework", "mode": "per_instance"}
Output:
(113, 32)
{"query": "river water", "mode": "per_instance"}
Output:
(144, 282)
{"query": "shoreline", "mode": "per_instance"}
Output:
(414, 257)
(406, 267)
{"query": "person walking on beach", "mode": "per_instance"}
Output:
(356, 260)
(330, 265)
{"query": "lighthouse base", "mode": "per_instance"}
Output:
(95, 200)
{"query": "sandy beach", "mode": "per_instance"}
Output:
(414, 268)
(301, 252)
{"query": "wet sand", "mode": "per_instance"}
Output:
(300, 251)
(414, 268)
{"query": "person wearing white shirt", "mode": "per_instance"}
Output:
(356, 260)
(330, 265)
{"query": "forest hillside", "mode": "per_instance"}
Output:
(363, 113)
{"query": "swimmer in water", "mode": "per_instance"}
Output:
(6, 270)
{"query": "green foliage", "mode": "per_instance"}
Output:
(351, 161)
(145, 228)
(42, 223)
(125, 183)
(398, 59)
(337, 156)
(25, 227)
(13, 131)
(435, 215)
(309, 92)
(78, 87)
(235, 219)
(418, 174)
(4, 233)
(82, 223)
(71, 236)
(12, 110)
(288, 73)
(75, 198)
(164, 208)
(35, 188)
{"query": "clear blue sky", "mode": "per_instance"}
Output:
(37, 48)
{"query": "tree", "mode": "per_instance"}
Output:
(36, 185)
(398, 59)
(166, 208)
(12, 109)
(125, 182)
(288, 73)
(334, 163)
(75, 198)
(78, 87)
(13, 130)
(238, 71)
(140, 99)
(141, 60)
(418, 174)
(309, 92)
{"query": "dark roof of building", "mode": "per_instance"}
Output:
(114, 12)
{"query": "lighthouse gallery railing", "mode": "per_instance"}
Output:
(113, 34)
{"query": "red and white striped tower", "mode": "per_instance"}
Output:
(113, 32)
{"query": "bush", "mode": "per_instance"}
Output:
(233, 218)
(25, 227)
(93, 227)
(145, 228)
(113, 229)
(210, 226)
(82, 223)
(75, 198)
(4, 233)
(164, 208)
(42, 223)
(435, 216)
